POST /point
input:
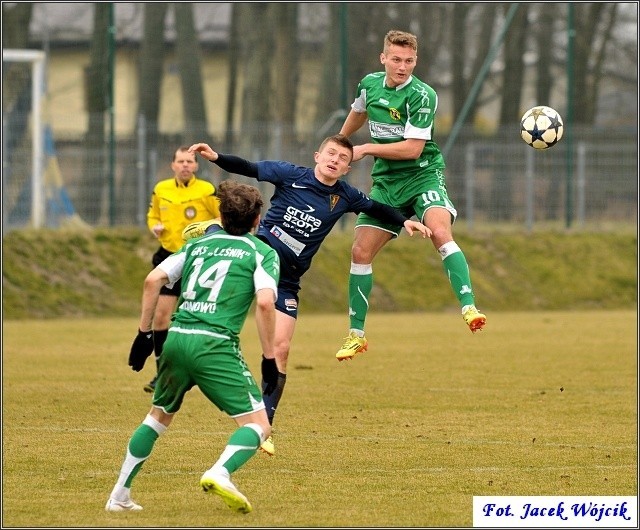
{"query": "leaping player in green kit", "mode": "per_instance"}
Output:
(408, 174)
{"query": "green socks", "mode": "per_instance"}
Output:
(140, 446)
(361, 282)
(242, 445)
(360, 285)
(457, 270)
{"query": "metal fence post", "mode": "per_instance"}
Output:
(581, 182)
(141, 165)
(468, 182)
(529, 173)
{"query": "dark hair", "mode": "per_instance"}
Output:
(240, 204)
(339, 139)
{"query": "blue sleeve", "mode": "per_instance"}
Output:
(361, 203)
(277, 172)
(385, 213)
(237, 165)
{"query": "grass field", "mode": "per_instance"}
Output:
(406, 434)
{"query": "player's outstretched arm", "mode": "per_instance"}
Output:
(388, 214)
(229, 163)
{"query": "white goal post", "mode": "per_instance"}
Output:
(37, 60)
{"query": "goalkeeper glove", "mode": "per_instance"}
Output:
(141, 349)
(269, 376)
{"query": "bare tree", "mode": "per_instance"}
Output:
(512, 75)
(469, 51)
(544, 49)
(458, 46)
(432, 19)
(151, 59)
(16, 17)
(482, 46)
(16, 104)
(234, 59)
(189, 59)
(95, 180)
(257, 50)
(368, 23)
(329, 107)
(266, 57)
(592, 20)
(543, 29)
(587, 19)
(285, 74)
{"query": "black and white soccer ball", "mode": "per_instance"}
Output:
(541, 127)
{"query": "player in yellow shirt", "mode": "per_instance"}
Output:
(176, 203)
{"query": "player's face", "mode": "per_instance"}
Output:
(184, 165)
(399, 62)
(332, 162)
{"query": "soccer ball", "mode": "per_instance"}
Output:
(541, 127)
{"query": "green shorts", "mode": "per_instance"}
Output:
(195, 357)
(412, 195)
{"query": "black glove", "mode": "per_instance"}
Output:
(141, 349)
(269, 376)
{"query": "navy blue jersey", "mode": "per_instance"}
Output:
(303, 211)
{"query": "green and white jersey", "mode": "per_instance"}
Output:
(395, 114)
(220, 275)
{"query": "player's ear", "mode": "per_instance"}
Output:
(347, 171)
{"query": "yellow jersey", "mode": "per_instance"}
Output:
(176, 205)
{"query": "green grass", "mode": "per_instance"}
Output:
(541, 403)
(61, 273)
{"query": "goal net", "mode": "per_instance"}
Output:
(33, 192)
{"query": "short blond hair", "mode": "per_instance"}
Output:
(400, 38)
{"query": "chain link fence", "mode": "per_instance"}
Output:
(495, 181)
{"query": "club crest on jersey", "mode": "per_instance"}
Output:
(394, 113)
(333, 200)
(190, 212)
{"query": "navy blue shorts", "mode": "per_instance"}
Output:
(287, 302)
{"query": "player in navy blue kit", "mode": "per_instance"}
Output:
(306, 205)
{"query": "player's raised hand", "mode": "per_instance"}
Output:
(410, 226)
(205, 151)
